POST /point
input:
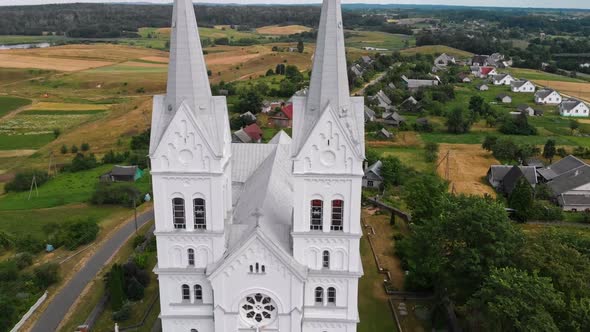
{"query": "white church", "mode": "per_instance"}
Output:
(257, 237)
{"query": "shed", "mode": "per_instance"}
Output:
(122, 174)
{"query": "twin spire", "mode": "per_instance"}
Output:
(187, 73)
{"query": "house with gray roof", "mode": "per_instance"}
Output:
(523, 86)
(482, 87)
(415, 84)
(548, 97)
(370, 115)
(382, 100)
(393, 119)
(503, 79)
(560, 167)
(372, 177)
(505, 177)
(572, 189)
(526, 109)
(444, 60)
(504, 98)
(574, 108)
(384, 133)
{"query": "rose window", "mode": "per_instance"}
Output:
(258, 310)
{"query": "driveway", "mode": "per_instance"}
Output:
(61, 303)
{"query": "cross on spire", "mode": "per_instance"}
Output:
(257, 214)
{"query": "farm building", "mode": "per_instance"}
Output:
(444, 60)
(504, 178)
(504, 98)
(503, 79)
(370, 115)
(523, 86)
(548, 97)
(565, 165)
(372, 177)
(482, 87)
(572, 189)
(393, 119)
(122, 174)
(414, 85)
(382, 100)
(384, 133)
(283, 118)
(574, 108)
(249, 134)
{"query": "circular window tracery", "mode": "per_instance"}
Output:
(258, 310)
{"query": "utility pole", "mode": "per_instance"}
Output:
(135, 208)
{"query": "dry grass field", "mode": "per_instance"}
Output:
(578, 90)
(437, 49)
(47, 106)
(59, 64)
(282, 30)
(468, 165)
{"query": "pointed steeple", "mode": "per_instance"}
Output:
(187, 73)
(329, 76)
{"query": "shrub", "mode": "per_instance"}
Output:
(545, 211)
(82, 163)
(114, 158)
(74, 149)
(141, 260)
(85, 147)
(23, 260)
(134, 290)
(122, 314)
(56, 132)
(114, 193)
(46, 275)
(78, 233)
(29, 243)
(64, 149)
(8, 271)
(131, 270)
(115, 281)
(431, 152)
(23, 180)
(6, 240)
(138, 240)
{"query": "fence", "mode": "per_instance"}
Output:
(30, 312)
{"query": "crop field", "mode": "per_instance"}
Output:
(577, 90)
(537, 75)
(22, 61)
(38, 124)
(360, 39)
(65, 107)
(18, 142)
(9, 104)
(282, 30)
(437, 49)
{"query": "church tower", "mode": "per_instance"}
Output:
(328, 153)
(190, 152)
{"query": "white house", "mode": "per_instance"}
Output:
(548, 97)
(523, 86)
(503, 79)
(257, 237)
(573, 108)
(444, 60)
(382, 100)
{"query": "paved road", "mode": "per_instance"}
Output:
(61, 303)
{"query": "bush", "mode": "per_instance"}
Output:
(138, 240)
(46, 275)
(85, 147)
(78, 233)
(23, 260)
(23, 180)
(64, 149)
(114, 158)
(114, 193)
(431, 153)
(141, 260)
(545, 211)
(8, 271)
(29, 243)
(134, 290)
(82, 163)
(74, 149)
(123, 314)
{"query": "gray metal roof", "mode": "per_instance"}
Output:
(569, 104)
(574, 200)
(570, 180)
(374, 170)
(499, 172)
(518, 84)
(124, 170)
(562, 166)
(544, 93)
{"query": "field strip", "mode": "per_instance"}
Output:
(144, 64)
(155, 59)
(15, 153)
(235, 59)
(282, 30)
(23, 61)
(47, 106)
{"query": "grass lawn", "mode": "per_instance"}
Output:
(374, 311)
(31, 222)
(9, 104)
(17, 142)
(531, 74)
(410, 156)
(478, 138)
(389, 41)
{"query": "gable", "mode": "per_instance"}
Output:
(332, 145)
(183, 146)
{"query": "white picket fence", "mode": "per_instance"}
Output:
(29, 313)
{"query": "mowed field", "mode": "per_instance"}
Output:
(436, 49)
(282, 30)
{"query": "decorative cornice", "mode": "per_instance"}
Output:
(325, 273)
(177, 271)
(326, 235)
(184, 233)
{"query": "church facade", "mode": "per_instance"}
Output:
(257, 237)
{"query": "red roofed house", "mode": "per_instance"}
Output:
(249, 134)
(483, 72)
(283, 118)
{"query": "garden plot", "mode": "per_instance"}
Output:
(36, 124)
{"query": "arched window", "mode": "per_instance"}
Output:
(200, 214)
(326, 259)
(263, 269)
(257, 268)
(178, 213)
(319, 296)
(191, 257)
(194, 330)
(186, 293)
(337, 217)
(198, 293)
(251, 269)
(317, 213)
(332, 295)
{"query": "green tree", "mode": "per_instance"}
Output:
(505, 149)
(574, 125)
(489, 142)
(514, 300)
(425, 207)
(549, 150)
(293, 74)
(63, 149)
(476, 104)
(56, 132)
(74, 149)
(250, 101)
(392, 171)
(521, 199)
(431, 151)
(85, 147)
(458, 121)
(115, 282)
(300, 46)
(270, 72)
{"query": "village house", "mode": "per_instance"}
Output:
(523, 86)
(248, 117)
(560, 167)
(444, 60)
(367, 60)
(482, 87)
(483, 72)
(122, 174)
(370, 115)
(572, 189)
(504, 177)
(357, 70)
(479, 60)
(503, 79)
(414, 85)
(548, 97)
(410, 105)
(525, 109)
(283, 118)
(384, 134)
(573, 108)
(464, 78)
(372, 177)
(248, 134)
(382, 100)
(393, 119)
(504, 98)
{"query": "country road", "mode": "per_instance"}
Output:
(60, 305)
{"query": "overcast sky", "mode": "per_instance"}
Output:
(502, 3)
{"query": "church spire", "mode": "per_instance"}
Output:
(329, 77)
(187, 73)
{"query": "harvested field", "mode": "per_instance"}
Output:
(468, 166)
(15, 153)
(587, 121)
(282, 30)
(577, 90)
(94, 52)
(21, 61)
(160, 59)
(45, 106)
